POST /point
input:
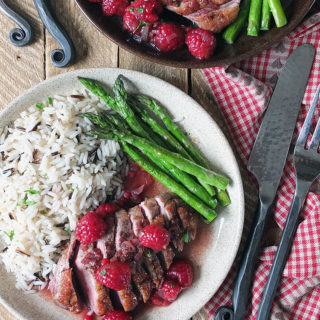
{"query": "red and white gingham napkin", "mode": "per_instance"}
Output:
(242, 91)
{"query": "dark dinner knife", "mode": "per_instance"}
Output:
(267, 160)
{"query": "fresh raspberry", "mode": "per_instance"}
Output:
(114, 7)
(90, 228)
(181, 271)
(169, 37)
(88, 316)
(130, 22)
(105, 261)
(114, 275)
(146, 10)
(106, 208)
(158, 301)
(117, 315)
(201, 43)
(170, 290)
(155, 237)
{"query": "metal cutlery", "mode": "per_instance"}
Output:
(21, 37)
(266, 162)
(60, 57)
(307, 167)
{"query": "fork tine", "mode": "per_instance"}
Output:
(302, 139)
(316, 137)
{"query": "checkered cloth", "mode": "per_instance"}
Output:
(242, 91)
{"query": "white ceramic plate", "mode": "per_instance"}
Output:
(215, 248)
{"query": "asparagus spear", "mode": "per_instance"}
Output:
(278, 13)
(265, 15)
(99, 91)
(161, 131)
(111, 120)
(175, 130)
(210, 177)
(254, 17)
(171, 184)
(234, 29)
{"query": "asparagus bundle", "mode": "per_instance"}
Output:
(258, 13)
(169, 155)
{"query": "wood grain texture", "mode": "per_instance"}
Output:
(93, 49)
(177, 77)
(21, 68)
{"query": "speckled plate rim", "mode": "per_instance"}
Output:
(187, 304)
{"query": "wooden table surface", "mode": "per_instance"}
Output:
(22, 68)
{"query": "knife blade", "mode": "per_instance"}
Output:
(266, 162)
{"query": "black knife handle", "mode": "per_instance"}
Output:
(60, 57)
(19, 37)
(247, 268)
(283, 251)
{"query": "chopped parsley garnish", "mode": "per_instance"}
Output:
(49, 100)
(26, 202)
(10, 235)
(172, 285)
(144, 23)
(103, 272)
(68, 231)
(40, 106)
(32, 191)
(46, 176)
(131, 9)
(186, 237)
(71, 190)
(43, 212)
(140, 10)
(17, 204)
(149, 255)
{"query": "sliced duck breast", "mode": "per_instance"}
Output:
(150, 209)
(216, 20)
(107, 244)
(128, 299)
(86, 262)
(212, 15)
(62, 286)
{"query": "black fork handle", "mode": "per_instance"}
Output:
(19, 37)
(247, 268)
(283, 251)
(60, 57)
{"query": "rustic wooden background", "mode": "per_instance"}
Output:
(22, 68)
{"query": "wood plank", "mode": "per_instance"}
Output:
(21, 68)
(175, 76)
(92, 48)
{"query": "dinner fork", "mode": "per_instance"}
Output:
(307, 167)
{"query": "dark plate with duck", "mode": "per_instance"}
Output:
(244, 47)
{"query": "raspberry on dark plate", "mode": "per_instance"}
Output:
(154, 237)
(117, 315)
(169, 37)
(201, 43)
(146, 10)
(170, 290)
(130, 21)
(114, 275)
(90, 228)
(114, 7)
(181, 271)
